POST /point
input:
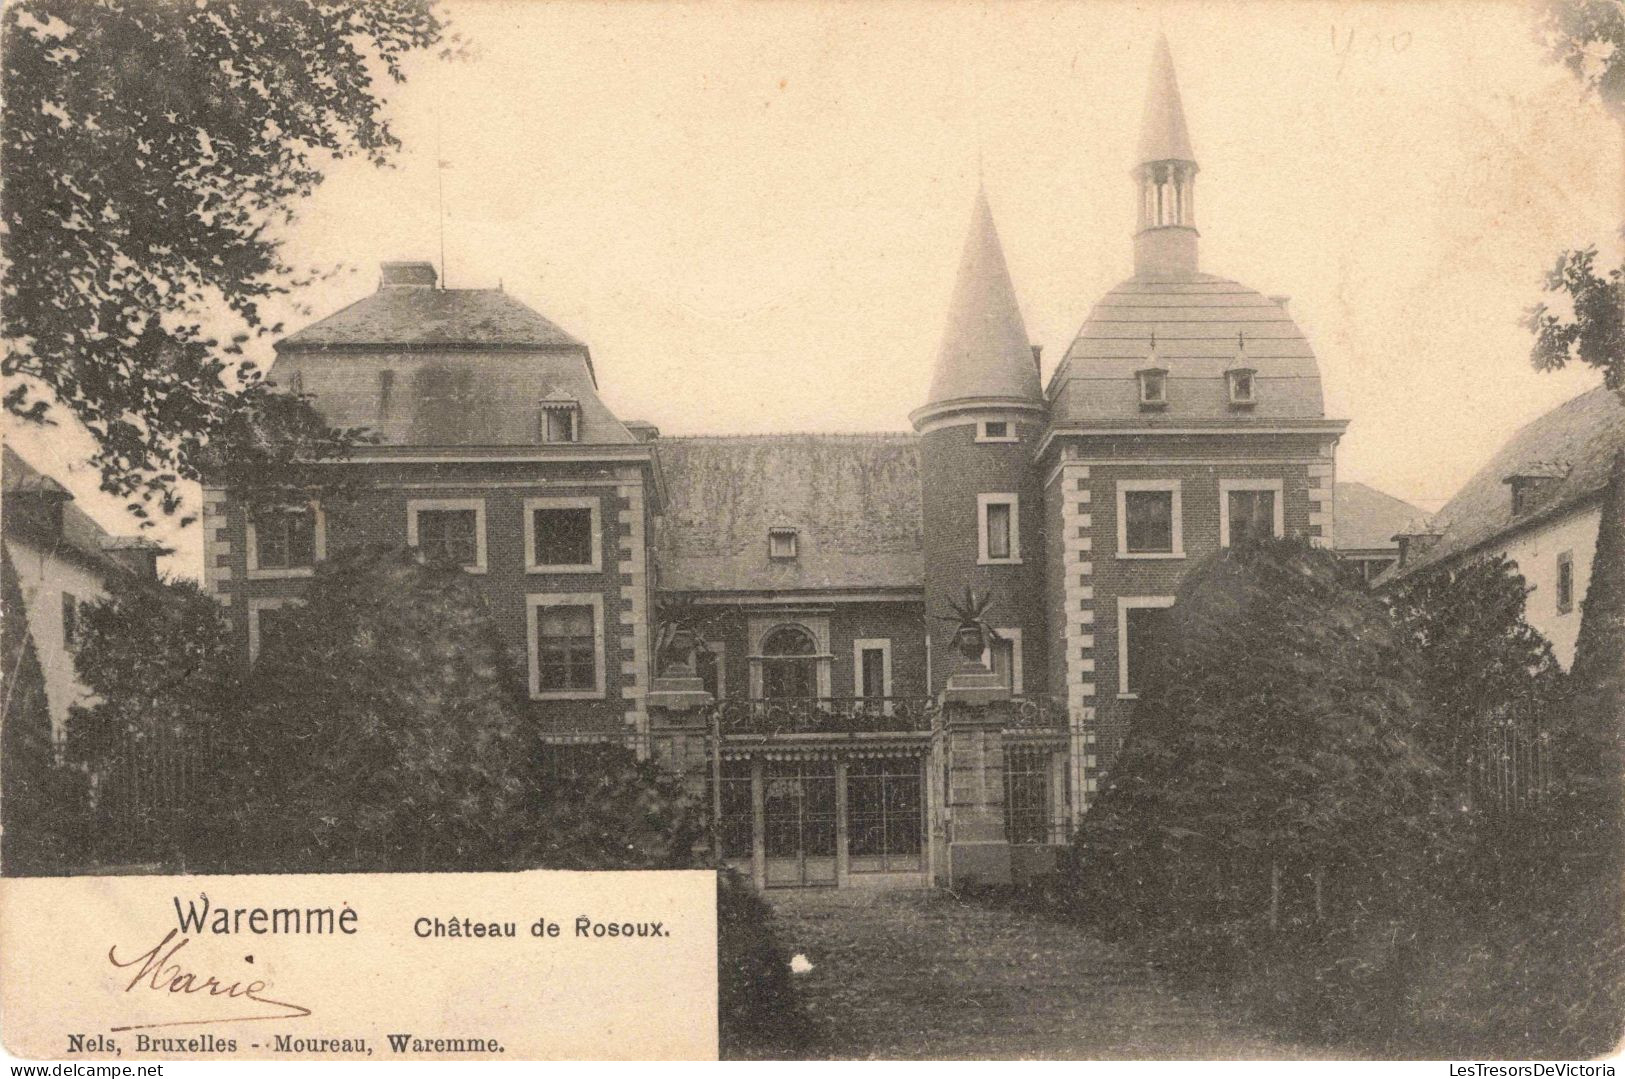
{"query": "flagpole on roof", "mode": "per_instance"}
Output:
(440, 192)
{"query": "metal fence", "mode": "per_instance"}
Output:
(1510, 770)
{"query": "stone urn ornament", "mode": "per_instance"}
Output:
(974, 634)
(678, 635)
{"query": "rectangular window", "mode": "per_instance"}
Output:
(998, 528)
(1026, 795)
(566, 654)
(781, 543)
(872, 680)
(1250, 509)
(449, 532)
(1150, 521)
(566, 637)
(1252, 515)
(268, 623)
(70, 619)
(562, 535)
(1139, 620)
(285, 539)
(1565, 582)
(996, 431)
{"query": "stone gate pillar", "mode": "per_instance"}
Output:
(975, 708)
(680, 729)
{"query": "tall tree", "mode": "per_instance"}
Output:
(1588, 323)
(383, 732)
(1590, 769)
(1489, 674)
(1275, 739)
(153, 149)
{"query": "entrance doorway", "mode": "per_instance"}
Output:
(799, 806)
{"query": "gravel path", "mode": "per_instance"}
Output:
(906, 975)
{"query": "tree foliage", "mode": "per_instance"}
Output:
(1484, 666)
(1588, 38)
(596, 806)
(153, 150)
(380, 731)
(1277, 731)
(1590, 750)
(1592, 329)
(157, 659)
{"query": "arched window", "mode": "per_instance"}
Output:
(789, 663)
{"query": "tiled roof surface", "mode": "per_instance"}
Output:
(1196, 320)
(416, 317)
(985, 351)
(455, 398)
(1163, 134)
(1365, 519)
(1586, 431)
(79, 531)
(854, 501)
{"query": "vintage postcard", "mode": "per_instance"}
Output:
(811, 530)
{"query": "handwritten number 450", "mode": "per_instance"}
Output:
(1349, 42)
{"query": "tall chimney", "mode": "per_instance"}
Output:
(406, 275)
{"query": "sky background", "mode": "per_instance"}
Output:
(752, 213)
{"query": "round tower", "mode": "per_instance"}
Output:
(981, 503)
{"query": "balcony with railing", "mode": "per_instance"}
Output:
(826, 715)
(869, 715)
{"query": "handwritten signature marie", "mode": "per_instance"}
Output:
(159, 971)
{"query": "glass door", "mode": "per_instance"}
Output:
(800, 819)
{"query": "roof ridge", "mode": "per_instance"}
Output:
(789, 436)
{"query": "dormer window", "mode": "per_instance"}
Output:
(561, 420)
(1242, 387)
(1534, 484)
(781, 543)
(1153, 388)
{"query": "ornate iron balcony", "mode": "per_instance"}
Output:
(826, 715)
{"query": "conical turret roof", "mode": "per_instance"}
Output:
(1163, 134)
(985, 351)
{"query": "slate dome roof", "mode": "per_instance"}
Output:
(1197, 327)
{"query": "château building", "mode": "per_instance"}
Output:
(1187, 412)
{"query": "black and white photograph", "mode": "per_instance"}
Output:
(935, 530)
